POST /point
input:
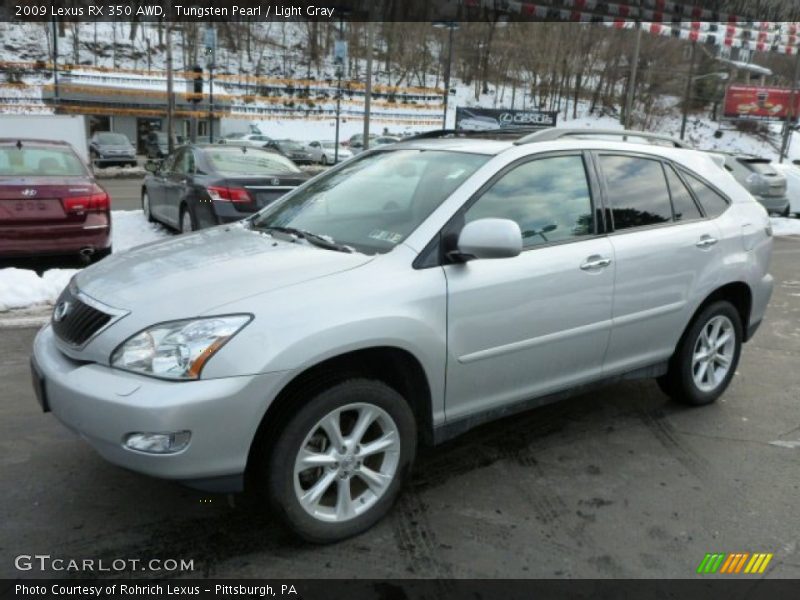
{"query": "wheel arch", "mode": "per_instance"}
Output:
(737, 293)
(396, 367)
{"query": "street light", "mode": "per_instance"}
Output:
(451, 26)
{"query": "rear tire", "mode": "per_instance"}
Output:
(324, 160)
(336, 466)
(706, 357)
(146, 207)
(101, 254)
(188, 223)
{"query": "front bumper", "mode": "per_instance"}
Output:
(103, 405)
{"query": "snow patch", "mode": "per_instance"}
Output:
(21, 288)
(783, 226)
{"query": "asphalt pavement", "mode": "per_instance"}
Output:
(617, 483)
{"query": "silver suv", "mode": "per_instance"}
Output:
(401, 298)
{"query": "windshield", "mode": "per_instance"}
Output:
(374, 202)
(241, 160)
(28, 160)
(116, 139)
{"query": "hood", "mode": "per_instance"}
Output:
(115, 147)
(188, 275)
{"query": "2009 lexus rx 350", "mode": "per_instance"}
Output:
(402, 298)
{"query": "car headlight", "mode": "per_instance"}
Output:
(177, 349)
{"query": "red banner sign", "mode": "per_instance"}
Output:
(755, 102)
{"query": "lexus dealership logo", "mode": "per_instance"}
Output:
(62, 308)
(276, 181)
(29, 193)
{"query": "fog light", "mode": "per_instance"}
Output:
(158, 443)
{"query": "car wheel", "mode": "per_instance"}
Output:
(706, 358)
(339, 462)
(187, 220)
(146, 208)
(324, 160)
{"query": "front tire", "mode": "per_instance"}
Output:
(148, 214)
(706, 358)
(339, 462)
(324, 160)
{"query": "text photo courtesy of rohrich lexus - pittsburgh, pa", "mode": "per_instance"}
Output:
(386, 299)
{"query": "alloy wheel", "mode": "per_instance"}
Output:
(713, 353)
(347, 462)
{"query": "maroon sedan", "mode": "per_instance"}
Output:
(50, 203)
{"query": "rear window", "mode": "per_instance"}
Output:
(758, 165)
(32, 161)
(241, 160)
(116, 139)
(638, 191)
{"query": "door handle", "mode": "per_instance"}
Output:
(706, 241)
(595, 262)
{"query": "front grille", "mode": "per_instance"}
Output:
(74, 321)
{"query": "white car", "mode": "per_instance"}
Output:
(324, 152)
(792, 173)
(246, 139)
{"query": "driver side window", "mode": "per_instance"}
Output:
(548, 198)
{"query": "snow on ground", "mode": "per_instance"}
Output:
(783, 226)
(21, 288)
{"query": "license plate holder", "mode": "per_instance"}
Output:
(39, 387)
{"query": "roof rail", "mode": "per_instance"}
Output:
(557, 133)
(500, 133)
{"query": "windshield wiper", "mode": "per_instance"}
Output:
(313, 238)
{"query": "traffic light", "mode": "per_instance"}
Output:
(197, 92)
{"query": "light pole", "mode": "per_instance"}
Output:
(451, 26)
(211, 45)
(339, 59)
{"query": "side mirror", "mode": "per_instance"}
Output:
(489, 238)
(152, 166)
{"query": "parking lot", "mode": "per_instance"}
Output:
(617, 483)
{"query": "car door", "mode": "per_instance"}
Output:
(156, 188)
(539, 322)
(665, 252)
(178, 182)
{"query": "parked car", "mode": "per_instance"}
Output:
(107, 148)
(291, 150)
(356, 142)
(204, 185)
(383, 140)
(792, 174)
(404, 297)
(156, 144)
(760, 178)
(324, 152)
(246, 139)
(50, 202)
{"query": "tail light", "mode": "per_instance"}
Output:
(228, 194)
(96, 202)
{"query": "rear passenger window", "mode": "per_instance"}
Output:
(637, 191)
(713, 203)
(683, 205)
(548, 198)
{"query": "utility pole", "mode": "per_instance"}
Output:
(790, 113)
(339, 59)
(687, 94)
(368, 81)
(451, 27)
(626, 118)
(170, 90)
(211, 46)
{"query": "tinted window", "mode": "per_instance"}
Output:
(112, 139)
(713, 203)
(248, 161)
(759, 165)
(30, 160)
(637, 191)
(549, 199)
(683, 204)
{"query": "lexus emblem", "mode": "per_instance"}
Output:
(275, 181)
(29, 192)
(62, 308)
